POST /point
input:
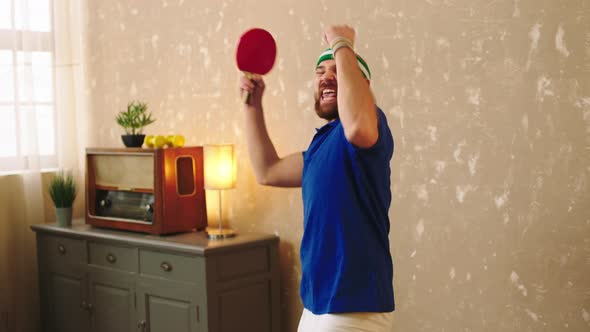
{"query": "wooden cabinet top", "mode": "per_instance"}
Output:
(190, 242)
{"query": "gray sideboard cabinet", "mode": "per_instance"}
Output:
(103, 280)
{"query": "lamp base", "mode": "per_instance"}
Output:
(216, 233)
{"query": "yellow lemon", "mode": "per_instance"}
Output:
(159, 141)
(149, 141)
(178, 141)
(170, 140)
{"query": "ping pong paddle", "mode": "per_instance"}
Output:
(255, 54)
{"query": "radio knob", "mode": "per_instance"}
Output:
(105, 203)
(149, 207)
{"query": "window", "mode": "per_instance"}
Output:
(27, 81)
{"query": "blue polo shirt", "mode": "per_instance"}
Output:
(345, 256)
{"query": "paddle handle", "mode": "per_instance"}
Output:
(246, 94)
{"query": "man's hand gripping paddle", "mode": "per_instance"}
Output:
(255, 54)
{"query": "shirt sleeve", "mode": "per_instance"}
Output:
(384, 145)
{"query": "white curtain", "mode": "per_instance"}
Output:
(50, 99)
(71, 95)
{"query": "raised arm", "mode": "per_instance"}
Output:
(269, 169)
(356, 103)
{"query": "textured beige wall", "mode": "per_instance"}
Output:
(489, 103)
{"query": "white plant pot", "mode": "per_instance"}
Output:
(63, 216)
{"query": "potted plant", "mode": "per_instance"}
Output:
(62, 190)
(133, 120)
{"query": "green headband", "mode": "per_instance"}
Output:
(328, 55)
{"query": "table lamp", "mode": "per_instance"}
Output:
(220, 174)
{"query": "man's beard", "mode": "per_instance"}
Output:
(330, 113)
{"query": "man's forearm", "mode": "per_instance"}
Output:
(356, 104)
(260, 148)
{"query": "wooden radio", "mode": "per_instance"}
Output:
(156, 191)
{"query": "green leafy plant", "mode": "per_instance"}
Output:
(62, 190)
(135, 118)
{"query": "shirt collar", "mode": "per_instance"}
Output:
(327, 126)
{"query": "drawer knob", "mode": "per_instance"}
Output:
(111, 258)
(166, 266)
(141, 325)
(61, 249)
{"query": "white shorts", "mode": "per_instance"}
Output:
(346, 322)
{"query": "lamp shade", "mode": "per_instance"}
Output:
(220, 166)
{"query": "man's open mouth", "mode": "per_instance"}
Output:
(328, 95)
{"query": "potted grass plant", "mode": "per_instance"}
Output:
(133, 120)
(62, 190)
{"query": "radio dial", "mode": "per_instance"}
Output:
(105, 203)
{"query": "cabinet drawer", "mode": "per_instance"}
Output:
(62, 251)
(108, 255)
(170, 266)
(243, 264)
